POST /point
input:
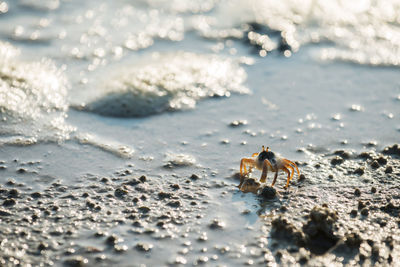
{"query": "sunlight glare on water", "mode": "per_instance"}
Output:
(32, 97)
(172, 81)
(363, 31)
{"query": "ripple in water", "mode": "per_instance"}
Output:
(168, 82)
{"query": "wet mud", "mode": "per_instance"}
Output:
(322, 219)
(49, 226)
(334, 214)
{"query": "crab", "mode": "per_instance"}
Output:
(267, 161)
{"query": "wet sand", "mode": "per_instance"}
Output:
(75, 203)
(344, 210)
(123, 126)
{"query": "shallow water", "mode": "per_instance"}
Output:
(125, 89)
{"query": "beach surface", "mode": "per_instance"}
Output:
(123, 126)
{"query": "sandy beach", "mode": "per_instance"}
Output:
(123, 126)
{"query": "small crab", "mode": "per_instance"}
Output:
(267, 161)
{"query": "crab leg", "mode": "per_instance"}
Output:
(290, 167)
(255, 154)
(241, 167)
(273, 182)
(288, 176)
(243, 163)
(294, 165)
(265, 170)
(246, 162)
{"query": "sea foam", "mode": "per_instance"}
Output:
(167, 82)
(33, 101)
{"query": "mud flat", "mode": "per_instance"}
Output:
(53, 225)
(344, 210)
